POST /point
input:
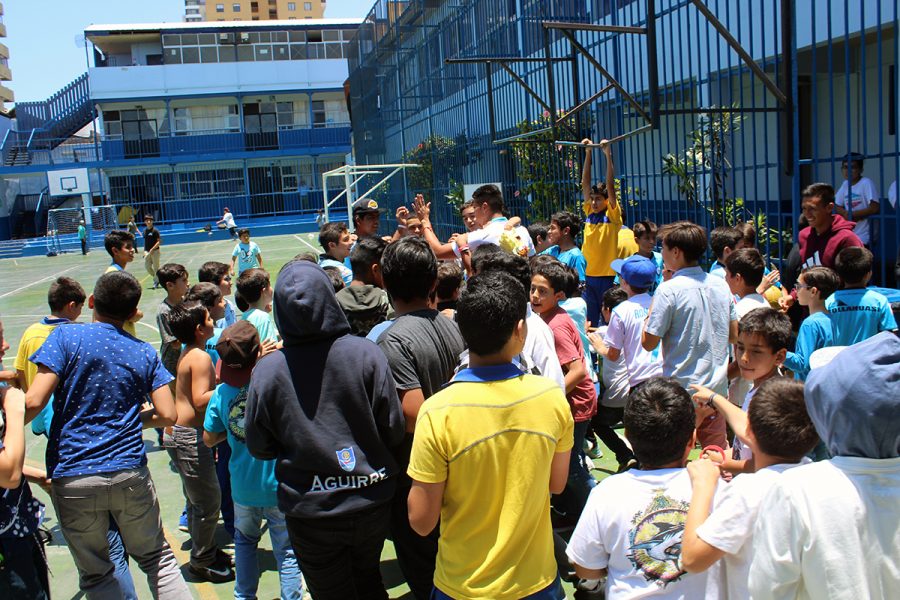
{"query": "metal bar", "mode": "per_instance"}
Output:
(718, 110)
(787, 73)
(490, 99)
(576, 97)
(585, 103)
(736, 46)
(618, 138)
(652, 67)
(526, 87)
(551, 81)
(500, 59)
(513, 138)
(605, 73)
(591, 27)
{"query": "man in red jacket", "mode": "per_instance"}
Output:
(826, 235)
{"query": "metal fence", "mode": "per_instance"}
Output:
(731, 136)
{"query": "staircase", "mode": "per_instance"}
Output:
(11, 248)
(45, 125)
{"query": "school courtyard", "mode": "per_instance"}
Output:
(23, 294)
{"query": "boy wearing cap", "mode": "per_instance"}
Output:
(366, 215)
(253, 481)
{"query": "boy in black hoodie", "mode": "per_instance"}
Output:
(331, 444)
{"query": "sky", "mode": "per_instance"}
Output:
(41, 35)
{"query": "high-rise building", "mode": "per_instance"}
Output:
(253, 10)
(6, 94)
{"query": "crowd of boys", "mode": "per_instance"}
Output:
(448, 395)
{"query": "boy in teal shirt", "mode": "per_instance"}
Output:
(857, 313)
(813, 287)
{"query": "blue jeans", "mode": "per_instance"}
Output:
(222, 456)
(580, 483)
(247, 532)
(554, 591)
(119, 559)
(594, 288)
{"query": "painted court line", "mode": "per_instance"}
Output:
(314, 249)
(34, 283)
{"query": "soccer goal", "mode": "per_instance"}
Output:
(62, 226)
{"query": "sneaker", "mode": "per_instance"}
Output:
(596, 452)
(588, 464)
(183, 521)
(214, 573)
(225, 556)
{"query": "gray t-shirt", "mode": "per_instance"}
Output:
(422, 349)
(692, 313)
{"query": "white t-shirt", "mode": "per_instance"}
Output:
(829, 530)
(861, 195)
(615, 378)
(229, 219)
(892, 194)
(632, 525)
(739, 387)
(624, 333)
(491, 233)
(730, 529)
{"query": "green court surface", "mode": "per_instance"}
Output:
(23, 301)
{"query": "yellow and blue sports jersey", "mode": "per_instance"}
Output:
(601, 239)
(858, 314)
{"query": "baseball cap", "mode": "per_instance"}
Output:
(637, 271)
(238, 347)
(366, 205)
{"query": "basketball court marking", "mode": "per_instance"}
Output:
(34, 283)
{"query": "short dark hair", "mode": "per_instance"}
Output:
(853, 264)
(337, 281)
(251, 283)
(772, 325)
(779, 420)
(116, 295)
(206, 293)
(688, 237)
(613, 297)
(242, 231)
(409, 268)
(573, 283)
(308, 256)
(212, 272)
(64, 290)
(723, 237)
(748, 263)
(825, 280)
(184, 319)
(170, 273)
(511, 264)
(482, 252)
(823, 191)
(491, 195)
(117, 239)
(748, 232)
(554, 272)
(488, 311)
(659, 421)
(854, 159)
(367, 252)
(536, 230)
(568, 219)
(467, 204)
(449, 279)
(645, 227)
(331, 233)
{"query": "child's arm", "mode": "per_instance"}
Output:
(424, 506)
(612, 197)
(696, 554)
(40, 391)
(203, 379)
(233, 260)
(213, 438)
(163, 412)
(441, 251)
(586, 175)
(259, 257)
(36, 476)
(573, 372)
(12, 456)
(559, 471)
(736, 418)
(602, 349)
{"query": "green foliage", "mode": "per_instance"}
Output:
(442, 161)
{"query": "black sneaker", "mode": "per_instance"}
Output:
(214, 573)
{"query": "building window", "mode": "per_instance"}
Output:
(307, 6)
(292, 6)
(235, 8)
(220, 8)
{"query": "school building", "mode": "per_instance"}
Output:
(722, 110)
(179, 120)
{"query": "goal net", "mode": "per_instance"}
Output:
(62, 226)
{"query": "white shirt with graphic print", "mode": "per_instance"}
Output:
(862, 194)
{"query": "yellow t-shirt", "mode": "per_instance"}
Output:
(129, 325)
(493, 442)
(627, 245)
(33, 338)
(601, 239)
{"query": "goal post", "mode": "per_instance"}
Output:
(62, 226)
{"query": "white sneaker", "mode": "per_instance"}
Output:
(588, 463)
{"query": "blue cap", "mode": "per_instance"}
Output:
(637, 271)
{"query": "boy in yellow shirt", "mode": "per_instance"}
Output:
(487, 452)
(603, 220)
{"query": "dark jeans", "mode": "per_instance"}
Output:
(594, 288)
(84, 246)
(603, 423)
(223, 455)
(416, 555)
(580, 482)
(23, 573)
(339, 556)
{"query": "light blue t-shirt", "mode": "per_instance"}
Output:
(815, 333)
(717, 269)
(247, 255)
(575, 259)
(858, 314)
(576, 308)
(263, 323)
(253, 481)
(378, 330)
(230, 317)
(692, 314)
(346, 273)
